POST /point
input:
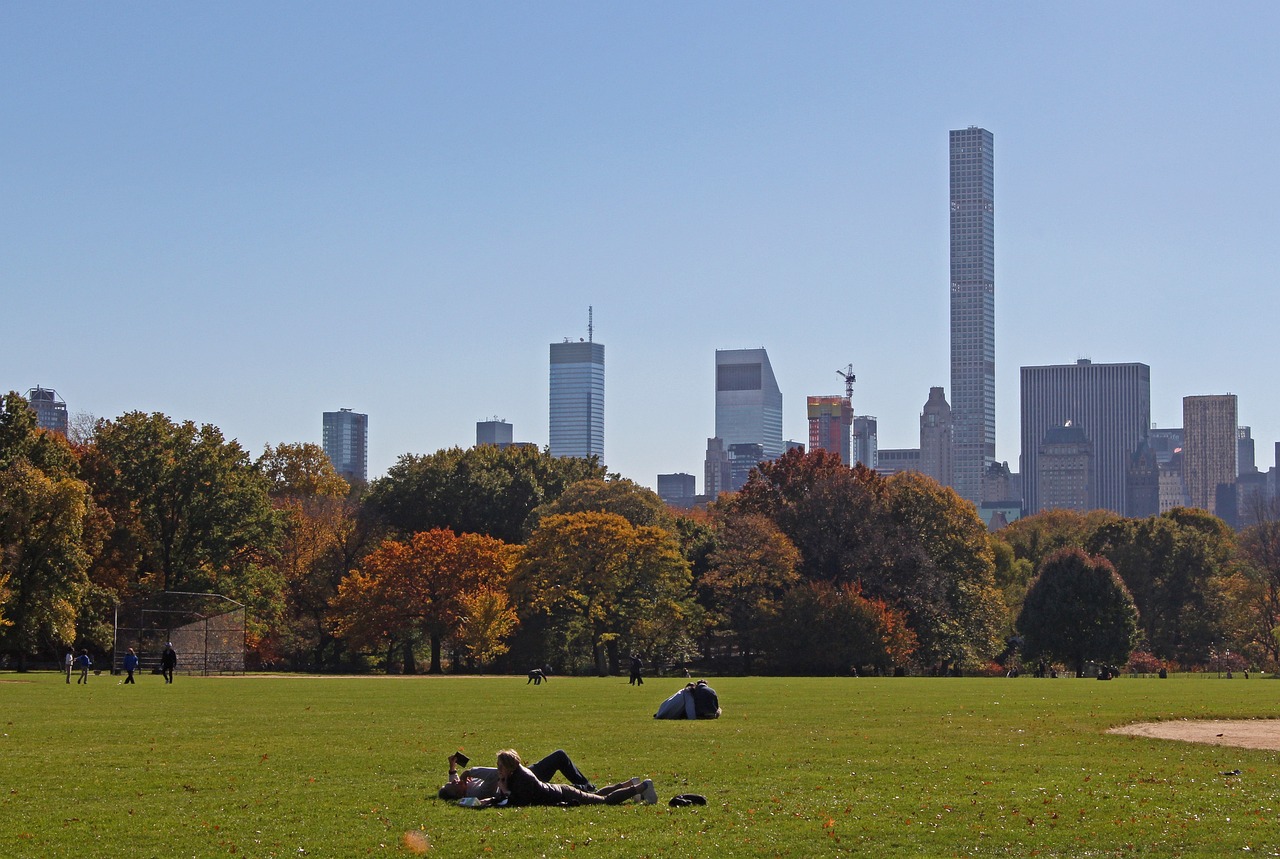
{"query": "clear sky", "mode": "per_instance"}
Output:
(249, 213)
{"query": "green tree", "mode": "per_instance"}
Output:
(828, 629)
(1034, 538)
(751, 568)
(190, 510)
(944, 572)
(638, 505)
(300, 471)
(1078, 610)
(480, 490)
(1174, 565)
(606, 579)
(1258, 589)
(43, 558)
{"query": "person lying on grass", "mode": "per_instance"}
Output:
(482, 782)
(517, 785)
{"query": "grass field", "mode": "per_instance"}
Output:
(266, 766)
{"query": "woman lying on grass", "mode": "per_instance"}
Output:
(517, 785)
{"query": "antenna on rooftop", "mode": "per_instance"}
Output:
(588, 323)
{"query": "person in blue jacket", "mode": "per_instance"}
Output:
(130, 665)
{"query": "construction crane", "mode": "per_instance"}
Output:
(849, 379)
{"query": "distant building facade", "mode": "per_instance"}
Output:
(892, 460)
(496, 432)
(1109, 403)
(346, 443)
(1209, 453)
(748, 401)
(830, 419)
(716, 475)
(935, 438)
(678, 490)
(1064, 470)
(865, 445)
(51, 411)
(973, 308)
(577, 399)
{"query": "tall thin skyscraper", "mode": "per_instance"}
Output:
(748, 401)
(577, 398)
(1209, 454)
(973, 309)
(346, 443)
(1109, 403)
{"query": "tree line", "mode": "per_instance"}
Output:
(487, 559)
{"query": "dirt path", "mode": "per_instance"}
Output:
(1249, 733)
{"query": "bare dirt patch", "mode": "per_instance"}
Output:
(1247, 733)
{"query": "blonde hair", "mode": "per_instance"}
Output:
(510, 759)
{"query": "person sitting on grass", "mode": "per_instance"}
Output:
(517, 785)
(694, 701)
(482, 782)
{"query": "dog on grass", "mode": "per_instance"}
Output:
(535, 677)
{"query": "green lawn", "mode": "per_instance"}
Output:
(342, 767)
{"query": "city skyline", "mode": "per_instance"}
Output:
(200, 199)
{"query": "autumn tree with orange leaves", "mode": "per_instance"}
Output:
(414, 590)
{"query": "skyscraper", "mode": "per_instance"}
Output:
(1109, 403)
(496, 432)
(865, 444)
(577, 399)
(1209, 453)
(829, 422)
(973, 315)
(935, 438)
(51, 411)
(748, 401)
(346, 443)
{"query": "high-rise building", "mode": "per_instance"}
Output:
(1110, 403)
(678, 490)
(829, 421)
(1064, 470)
(577, 399)
(346, 443)
(496, 432)
(1142, 486)
(1209, 453)
(748, 401)
(935, 438)
(1244, 451)
(894, 460)
(973, 309)
(51, 411)
(716, 474)
(866, 446)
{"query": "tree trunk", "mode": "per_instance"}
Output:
(435, 655)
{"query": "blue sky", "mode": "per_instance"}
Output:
(250, 213)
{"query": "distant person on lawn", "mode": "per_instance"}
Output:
(168, 662)
(130, 665)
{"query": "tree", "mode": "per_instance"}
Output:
(322, 539)
(635, 503)
(751, 568)
(1259, 588)
(488, 620)
(480, 490)
(1034, 538)
(1077, 611)
(1174, 564)
(943, 572)
(604, 579)
(300, 471)
(828, 629)
(43, 559)
(406, 591)
(190, 510)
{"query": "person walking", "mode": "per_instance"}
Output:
(130, 665)
(168, 662)
(637, 666)
(70, 660)
(83, 662)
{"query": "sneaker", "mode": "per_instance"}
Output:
(648, 795)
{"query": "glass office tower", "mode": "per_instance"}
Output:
(346, 443)
(577, 399)
(748, 401)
